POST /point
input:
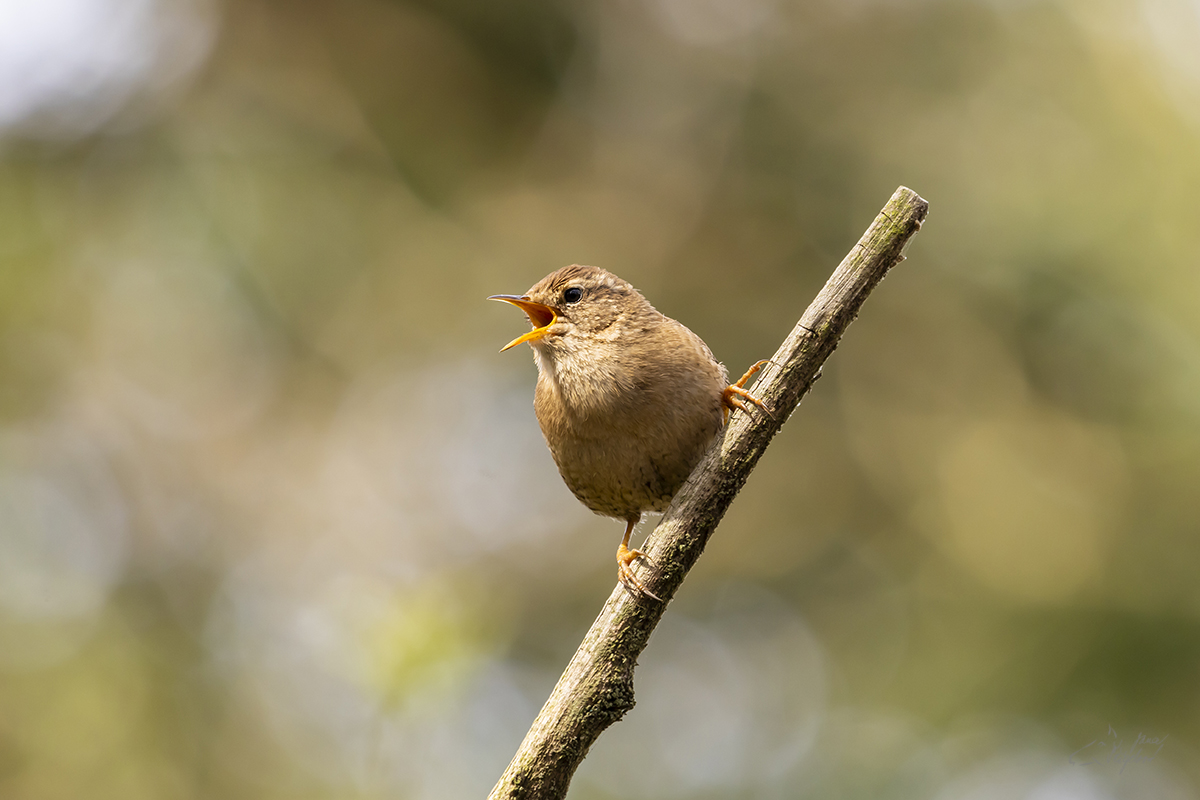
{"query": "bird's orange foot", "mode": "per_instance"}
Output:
(730, 398)
(625, 557)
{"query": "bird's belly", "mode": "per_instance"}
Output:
(625, 444)
(623, 474)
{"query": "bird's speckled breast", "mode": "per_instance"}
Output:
(633, 436)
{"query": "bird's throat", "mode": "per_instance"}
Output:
(585, 382)
(546, 368)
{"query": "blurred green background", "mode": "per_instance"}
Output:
(276, 520)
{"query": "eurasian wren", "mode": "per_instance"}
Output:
(628, 399)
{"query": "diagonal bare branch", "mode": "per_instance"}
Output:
(596, 689)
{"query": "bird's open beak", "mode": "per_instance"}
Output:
(542, 317)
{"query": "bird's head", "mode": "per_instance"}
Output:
(576, 302)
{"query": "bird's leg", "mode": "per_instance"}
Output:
(625, 557)
(730, 397)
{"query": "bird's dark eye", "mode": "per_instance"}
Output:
(572, 295)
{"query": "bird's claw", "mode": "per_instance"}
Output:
(731, 394)
(625, 557)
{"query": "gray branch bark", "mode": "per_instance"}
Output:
(596, 689)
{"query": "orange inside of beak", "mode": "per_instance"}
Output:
(540, 316)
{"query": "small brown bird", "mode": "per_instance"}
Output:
(627, 398)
